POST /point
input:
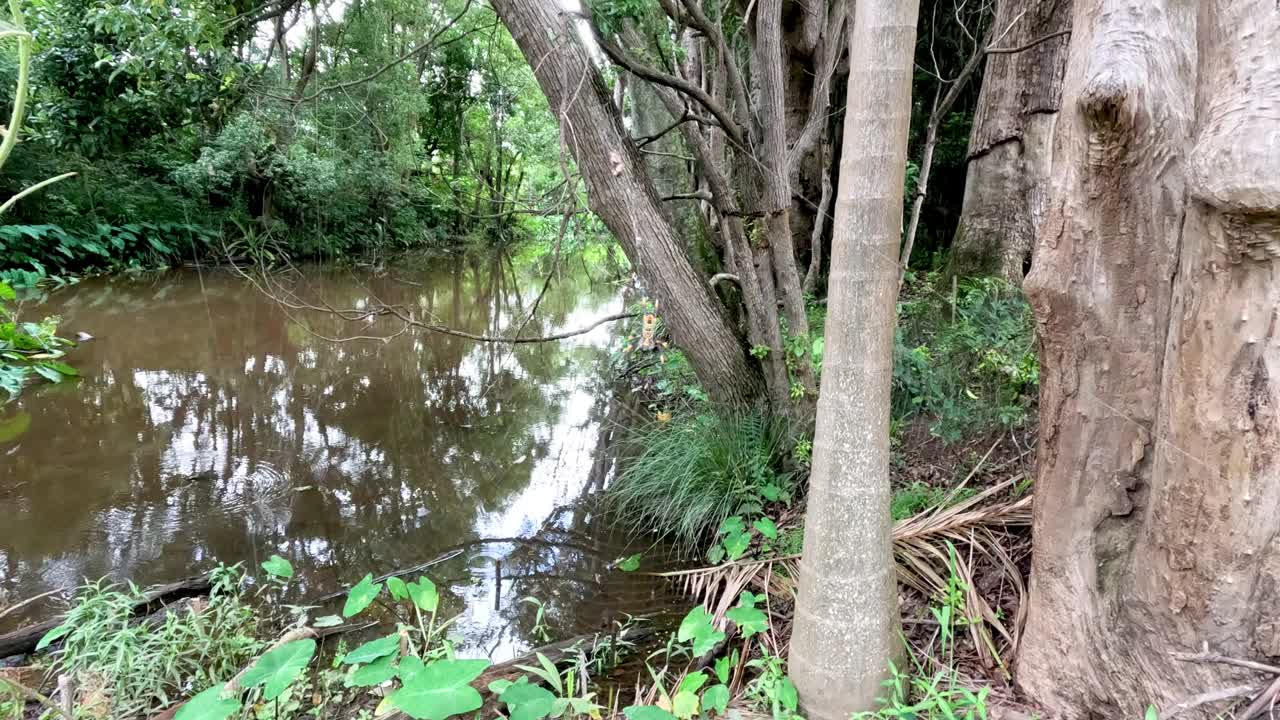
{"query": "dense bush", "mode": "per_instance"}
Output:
(965, 363)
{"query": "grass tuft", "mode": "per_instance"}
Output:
(687, 475)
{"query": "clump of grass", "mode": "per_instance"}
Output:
(143, 666)
(689, 474)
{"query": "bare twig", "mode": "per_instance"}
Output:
(1207, 657)
(1266, 700)
(15, 607)
(1213, 696)
(1028, 46)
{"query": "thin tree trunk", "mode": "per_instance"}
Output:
(1011, 149)
(846, 627)
(1155, 288)
(620, 192)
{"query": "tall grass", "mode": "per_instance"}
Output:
(137, 667)
(687, 475)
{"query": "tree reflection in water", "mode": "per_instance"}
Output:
(212, 424)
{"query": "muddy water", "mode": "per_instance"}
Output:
(214, 425)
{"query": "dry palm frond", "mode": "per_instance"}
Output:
(978, 528)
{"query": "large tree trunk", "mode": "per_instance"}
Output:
(846, 626)
(1010, 148)
(621, 193)
(1156, 287)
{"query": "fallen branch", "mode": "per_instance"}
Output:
(1266, 700)
(24, 640)
(1207, 657)
(17, 606)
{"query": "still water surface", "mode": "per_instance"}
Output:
(213, 424)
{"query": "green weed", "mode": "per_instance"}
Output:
(29, 349)
(693, 472)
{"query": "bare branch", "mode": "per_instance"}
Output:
(1028, 46)
(695, 195)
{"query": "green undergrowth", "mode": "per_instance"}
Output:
(692, 472)
(29, 350)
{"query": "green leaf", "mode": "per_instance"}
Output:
(424, 594)
(277, 566)
(499, 686)
(7, 293)
(526, 701)
(375, 673)
(693, 681)
(771, 492)
(716, 698)
(749, 620)
(277, 669)
(1152, 713)
(647, 712)
(630, 563)
(209, 705)
(733, 525)
(373, 650)
(52, 636)
(696, 627)
(398, 589)
(766, 527)
(328, 621)
(62, 367)
(736, 545)
(723, 667)
(787, 694)
(684, 705)
(361, 596)
(440, 690)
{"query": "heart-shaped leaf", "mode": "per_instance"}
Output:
(424, 594)
(209, 705)
(278, 668)
(696, 628)
(361, 596)
(723, 666)
(526, 701)
(716, 698)
(631, 563)
(684, 705)
(277, 566)
(439, 690)
(766, 527)
(750, 620)
(693, 681)
(375, 673)
(398, 589)
(373, 650)
(647, 712)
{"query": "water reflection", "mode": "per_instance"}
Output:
(211, 424)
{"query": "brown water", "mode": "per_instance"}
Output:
(212, 424)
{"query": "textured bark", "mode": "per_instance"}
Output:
(1010, 149)
(846, 626)
(1155, 287)
(621, 193)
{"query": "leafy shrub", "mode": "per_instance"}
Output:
(693, 472)
(969, 366)
(29, 349)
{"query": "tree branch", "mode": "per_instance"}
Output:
(695, 195)
(1028, 46)
(652, 74)
(429, 44)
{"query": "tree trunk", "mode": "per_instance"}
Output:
(620, 192)
(1155, 290)
(846, 627)
(1010, 149)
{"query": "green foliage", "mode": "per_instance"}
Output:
(692, 473)
(146, 666)
(438, 689)
(772, 688)
(278, 668)
(28, 349)
(277, 566)
(209, 705)
(696, 628)
(361, 596)
(969, 367)
(918, 497)
(923, 696)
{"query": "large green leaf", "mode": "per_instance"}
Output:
(696, 628)
(397, 588)
(749, 620)
(361, 596)
(53, 635)
(647, 712)
(684, 705)
(424, 594)
(526, 701)
(373, 650)
(277, 566)
(716, 698)
(209, 705)
(375, 673)
(439, 690)
(277, 669)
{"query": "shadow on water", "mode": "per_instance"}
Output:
(212, 425)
